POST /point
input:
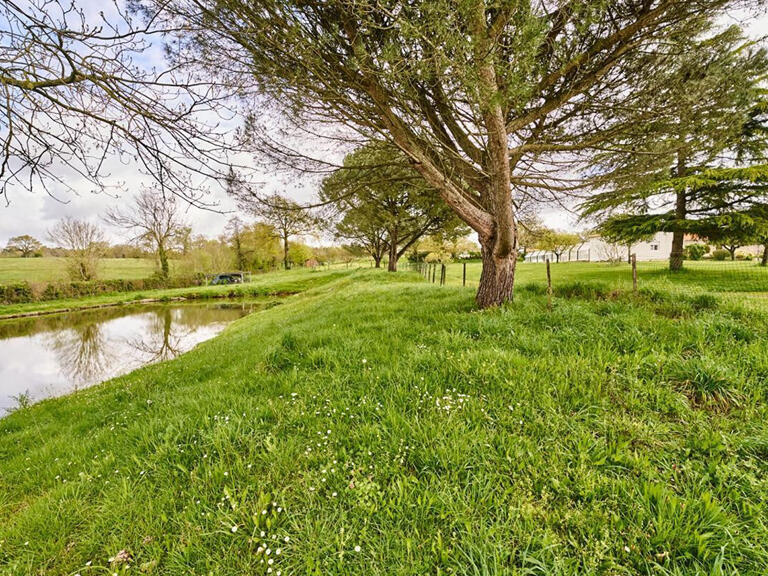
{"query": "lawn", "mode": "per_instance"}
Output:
(695, 278)
(377, 424)
(55, 269)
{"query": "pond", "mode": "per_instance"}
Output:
(52, 355)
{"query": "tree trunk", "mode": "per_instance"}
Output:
(764, 261)
(286, 262)
(392, 266)
(163, 257)
(681, 211)
(377, 260)
(678, 236)
(497, 279)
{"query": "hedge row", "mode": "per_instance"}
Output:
(23, 292)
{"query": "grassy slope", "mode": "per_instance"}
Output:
(610, 437)
(55, 269)
(264, 284)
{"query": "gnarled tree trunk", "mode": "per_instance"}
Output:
(764, 261)
(497, 280)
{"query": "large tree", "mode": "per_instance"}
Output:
(287, 218)
(489, 100)
(25, 245)
(712, 117)
(153, 219)
(384, 203)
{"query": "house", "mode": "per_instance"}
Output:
(597, 249)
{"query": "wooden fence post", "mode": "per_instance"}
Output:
(442, 274)
(549, 286)
(464, 275)
(434, 271)
(634, 273)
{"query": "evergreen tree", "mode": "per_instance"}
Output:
(681, 176)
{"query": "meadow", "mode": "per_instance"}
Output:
(379, 424)
(53, 269)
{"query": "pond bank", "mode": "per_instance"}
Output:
(277, 284)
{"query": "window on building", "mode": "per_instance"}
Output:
(654, 247)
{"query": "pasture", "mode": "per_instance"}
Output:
(55, 269)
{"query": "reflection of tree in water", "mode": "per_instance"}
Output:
(86, 354)
(170, 327)
(83, 352)
(165, 337)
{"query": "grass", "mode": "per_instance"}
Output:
(738, 276)
(55, 269)
(377, 424)
(290, 281)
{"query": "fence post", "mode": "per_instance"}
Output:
(434, 271)
(549, 286)
(464, 275)
(634, 273)
(442, 274)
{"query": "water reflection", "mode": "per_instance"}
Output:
(52, 355)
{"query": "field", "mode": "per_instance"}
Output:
(55, 269)
(727, 279)
(377, 424)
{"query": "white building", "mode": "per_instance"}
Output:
(596, 249)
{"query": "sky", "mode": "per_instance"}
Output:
(36, 212)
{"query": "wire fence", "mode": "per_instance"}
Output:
(735, 278)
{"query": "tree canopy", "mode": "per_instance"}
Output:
(383, 203)
(25, 245)
(702, 158)
(488, 100)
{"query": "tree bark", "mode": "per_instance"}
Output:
(764, 261)
(286, 262)
(163, 257)
(678, 236)
(392, 266)
(497, 279)
(377, 260)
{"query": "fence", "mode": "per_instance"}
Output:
(736, 278)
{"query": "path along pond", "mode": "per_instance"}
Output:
(47, 356)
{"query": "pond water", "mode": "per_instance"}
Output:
(53, 355)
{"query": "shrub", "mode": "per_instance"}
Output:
(720, 255)
(16, 293)
(695, 251)
(22, 292)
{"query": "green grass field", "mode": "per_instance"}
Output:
(378, 424)
(738, 277)
(55, 269)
